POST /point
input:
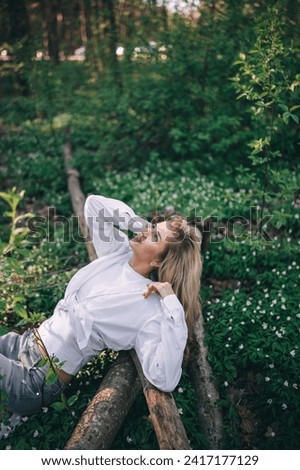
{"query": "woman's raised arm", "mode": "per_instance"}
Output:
(106, 218)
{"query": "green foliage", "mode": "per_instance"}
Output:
(268, 81)
(252, 333)
(18, 235)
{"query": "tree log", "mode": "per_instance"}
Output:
(77, 198)
(170, 432)
(104, 415)
(200, 373)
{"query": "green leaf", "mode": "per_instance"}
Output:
(293, 108)
(22, 322)
(286, 117)
(51, 377)
(71, 400)
(21, 311)
(9, 214)
(43, 362)
(58, 406)
(24, 216)
(284, 107)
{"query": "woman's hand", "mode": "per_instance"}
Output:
(161, 288)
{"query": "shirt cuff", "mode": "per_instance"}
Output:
(173, 307)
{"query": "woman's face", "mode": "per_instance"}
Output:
(152, 243)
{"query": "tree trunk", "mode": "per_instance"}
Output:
(111, 38)
(18, 18)
(77, 198)
(104, 415)
(164, 12)
(83, 23)
(95, 46)
(170, 432)
(210, 417)
(50, 8)
(20, 39)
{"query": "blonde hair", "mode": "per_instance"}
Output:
(181, 266)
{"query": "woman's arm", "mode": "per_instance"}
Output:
(160, 343)
(105, 217)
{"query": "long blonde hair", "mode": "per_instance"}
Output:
(181, 266)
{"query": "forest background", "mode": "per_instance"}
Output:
(185, 105)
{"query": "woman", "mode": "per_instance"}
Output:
(112, 303)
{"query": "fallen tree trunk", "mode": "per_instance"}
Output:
(200, 373)
(103, 417)
(77, 198)
(170, 432)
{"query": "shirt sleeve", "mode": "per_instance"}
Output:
(160, 345)
(106, 219)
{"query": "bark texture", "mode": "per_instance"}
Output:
(104, 415)
(170, 432)
(210, 417)
(77, 198)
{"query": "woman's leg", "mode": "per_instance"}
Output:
(10, 345)
(21, 390)
(23, 387)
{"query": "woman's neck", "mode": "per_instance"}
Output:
(139, 266)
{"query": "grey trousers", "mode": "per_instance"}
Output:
(23, 388)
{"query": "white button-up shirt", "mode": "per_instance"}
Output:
(104, 306)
